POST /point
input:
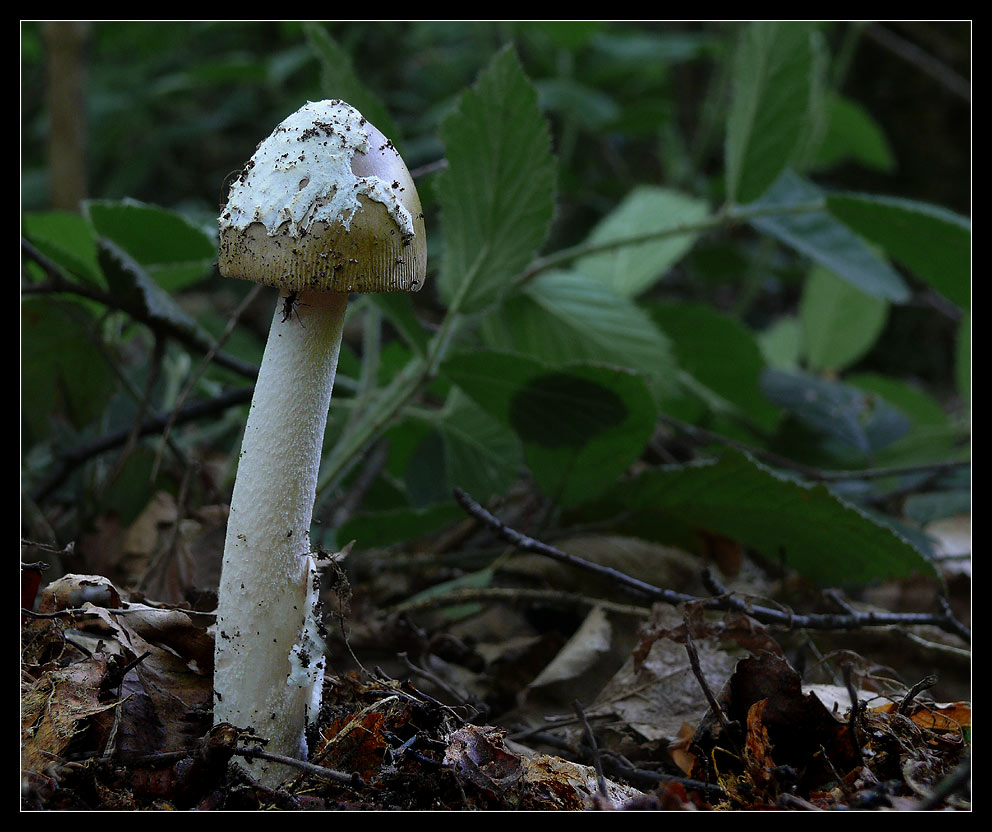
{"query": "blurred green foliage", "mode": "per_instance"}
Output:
(636, 230)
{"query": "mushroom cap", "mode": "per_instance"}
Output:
(326, 203)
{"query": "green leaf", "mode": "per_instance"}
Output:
(65, 373)
(773, 80)
(581, 425)
(781, 343)
(384, 528)
(593, 109)
(168, 247)
(930, 241)
(825, 539)
(859, 420)
(821, 237)
(720, 353)
(561, 317)
(398, 308)
(570, 34)
(840, 323)
(852, 134)
(962, 360)
(497, 192)
(931, 436)
(67, 240)
(143, 297)
(479, 579)
(481, 455)
(630, 270)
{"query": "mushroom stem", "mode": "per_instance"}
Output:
(269, 659)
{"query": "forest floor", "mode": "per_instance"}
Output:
(527, 686)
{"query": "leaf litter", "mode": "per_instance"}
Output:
(515, 697)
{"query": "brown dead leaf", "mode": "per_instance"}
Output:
(477, 755)
(655, 693)
(58, 707)
(170, 654)
(796, 729)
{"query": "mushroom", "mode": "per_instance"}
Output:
(324, 208)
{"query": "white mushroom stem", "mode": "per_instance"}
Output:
(269, 655)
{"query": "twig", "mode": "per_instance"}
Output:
(345, 507)
(841, 783)
(529, 544)
(767, 615)
(69, 460)
(232, 321)
(57, 283)
(697, 671)
(628, 771)
(517, 595)
(302, 765)
(432, 677)
(65, 551)
(597, 757)
(924, 61)
(109, 747)
(924, 684)
(856, 708)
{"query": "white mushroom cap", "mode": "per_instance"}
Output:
(326, 203)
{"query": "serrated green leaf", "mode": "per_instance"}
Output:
(820, 536)
(142, 296)
(930, 241)
(482, 456)
(497, 192)
(561, 317)
(840, 323)
(772, 72)
(67, 240)
(721, 354)
(65, 373)
(581, 425)
(630, 270)
(818, 235)
(172, 251)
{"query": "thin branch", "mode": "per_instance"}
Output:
(516, 595)
(767, 615)
(207, 359)
(57, 283)
(68, 461)
(308, 768)
(597, 757)
(925, 683)
(723, 217)
(924, 61)
(697, 671)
